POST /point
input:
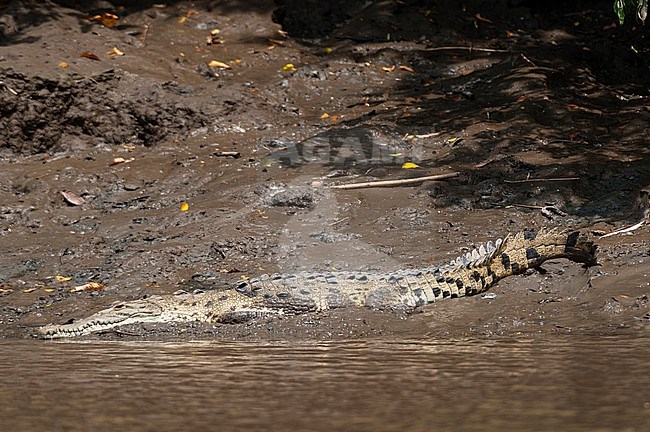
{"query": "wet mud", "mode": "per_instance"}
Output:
(542, 112)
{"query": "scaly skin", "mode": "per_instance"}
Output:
(301, 293)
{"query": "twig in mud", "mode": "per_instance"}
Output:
(233, 154)
(531, 180)
(466, 48)
(547, 211)
(629, 229)
(389, 183)
(529, 61)
(9, 89)
(339, 221)
(528, 206)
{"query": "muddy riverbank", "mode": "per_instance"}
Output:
(247, 113)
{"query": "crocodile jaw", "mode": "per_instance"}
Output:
(117, 315)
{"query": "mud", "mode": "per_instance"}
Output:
(500, 92)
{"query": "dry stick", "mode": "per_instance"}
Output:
(627, 230)
(542, 180)
(401, 182)
(466, 48)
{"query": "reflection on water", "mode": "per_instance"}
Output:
(540, 385)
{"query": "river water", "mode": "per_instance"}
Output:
(558, 384)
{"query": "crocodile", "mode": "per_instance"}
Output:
(300, 293)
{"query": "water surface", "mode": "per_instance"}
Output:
(566, 383)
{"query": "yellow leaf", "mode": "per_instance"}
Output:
(62, 278)
(185, 207)
(452, 140)
(324, 116)
(115, 52)
(90, 286)
(63, 65)
(289, 67)
(182, 20)
(218, 64)
(410, 165)
(328, 50)
(49, 290)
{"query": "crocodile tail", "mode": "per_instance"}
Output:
(529, 249)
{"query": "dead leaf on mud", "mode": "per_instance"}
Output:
(185, 207)
(388, 69)
(90, 286)
(89, 55)
(72, 198)
(63, 65)
(6, 290)
(289, 67)
(406, 68)
(107, 19)
(121, 160)
(214, 38)
(218, 64)
(115, 52)
(480, 18)
(231, 270)
(410, 165)
(62, 278)
(29, 290)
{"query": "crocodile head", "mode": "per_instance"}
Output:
(146, 310)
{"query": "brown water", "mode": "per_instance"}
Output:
(568, 384)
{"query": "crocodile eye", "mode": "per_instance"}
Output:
(118, 306)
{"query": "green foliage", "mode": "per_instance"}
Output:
(623, 6)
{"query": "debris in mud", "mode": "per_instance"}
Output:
(72, 198)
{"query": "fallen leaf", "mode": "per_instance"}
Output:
(388, 69)
(406, 68)
(276, 41)
(128, 147)
(231, 270)
(185, 207)
(73, 198)
(63, 65)
(218, 64)
(89, 55)
(115, 52)
(480, 18)
(119, 160)
(334, 118)
(62, 278)
(90, 286)
(289, 67)
(324, 116)
(6, 291)
(452, 140)
(482, 164)
(107, 19)
(29, 290)
(328, 50)
(410, 165)
(181, 20)
(261, 214)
